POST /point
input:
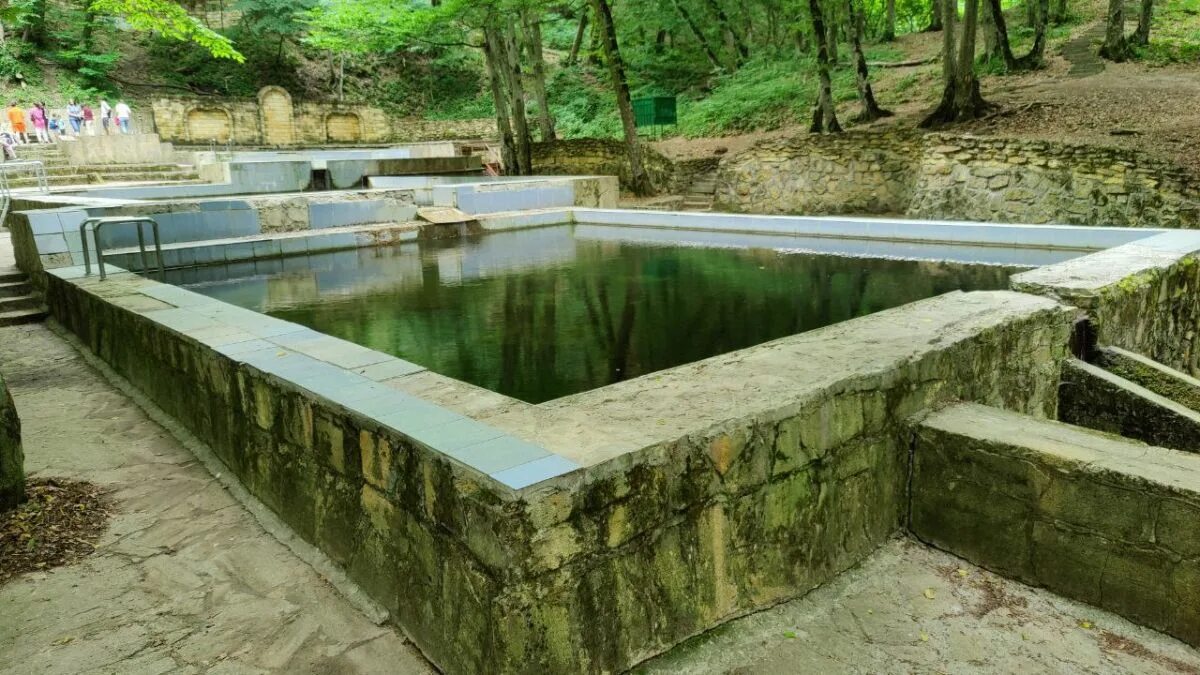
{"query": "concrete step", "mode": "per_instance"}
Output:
(111, 177)
(29, 301)
(22, 316)
(1095, 398)
(12, 289)
(12, 274)
(1154, 376)
(1095, 517)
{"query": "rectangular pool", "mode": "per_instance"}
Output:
(537, 314)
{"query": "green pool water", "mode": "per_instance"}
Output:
(541, 314)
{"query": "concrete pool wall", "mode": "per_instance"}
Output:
(588, 533)
(50, 238)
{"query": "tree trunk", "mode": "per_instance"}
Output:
(961, 99)
(639, 180)
(1141, 37)
(492, 60)
(583, 24)
(824, 118)
(1037, 53)
(870, 108)
(1115, 48)
(935, 17)
(727, 25)
(699, 35)
(533, 43)
(831, 38)
(516, 100)
(889, 28)
(503, 124)
(992, 51)
(1036, 56)
(1060, 12)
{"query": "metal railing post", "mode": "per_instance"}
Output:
(99, 223)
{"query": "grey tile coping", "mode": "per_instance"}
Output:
(386, 370)
(416, 415)
(531, 473)
(498, 454)
(455, 435)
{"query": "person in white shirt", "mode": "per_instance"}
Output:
(123, 113)
(105, 115)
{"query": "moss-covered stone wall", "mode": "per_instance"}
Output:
(12, 457)
(1098, 518)
(942, 176)
(597, 570)
(1139, 297)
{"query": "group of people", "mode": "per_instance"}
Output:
(80, 119)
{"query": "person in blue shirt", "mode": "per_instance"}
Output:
(75, 115)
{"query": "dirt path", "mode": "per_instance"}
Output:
(184, 580)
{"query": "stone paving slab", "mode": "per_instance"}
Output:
(185, 580)
(912, 609)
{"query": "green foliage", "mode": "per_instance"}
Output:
(1174, 34)
(171, 21)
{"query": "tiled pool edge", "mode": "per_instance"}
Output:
(892, 229)
(338, 372)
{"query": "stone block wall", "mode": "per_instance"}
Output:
(12, 457)
(1098, 518)
(940, 176)
(997, 179)
(273, 119)
(1136, 297)
(810, 175)
(600, 157)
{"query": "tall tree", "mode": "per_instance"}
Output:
(1141, 36)
(824, 116)
(889, 25)
(707, 48)
(961, 99)
(573, 55)
(1115, 47)
(639, 180)
(735, 37)
(871, 110)
(537, 81)
(996, 23)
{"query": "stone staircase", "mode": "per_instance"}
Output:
(18, 303)
(701, 193)
(59, 172)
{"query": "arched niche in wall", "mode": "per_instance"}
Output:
(208, 123)
(276, 116)
(343, 127)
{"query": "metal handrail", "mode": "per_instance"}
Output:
(39, 172)
(113, 220)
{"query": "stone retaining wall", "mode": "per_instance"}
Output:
(1139, 296)
(12, 457)
(1097, 518)
(273, 119)
(940, 176)
(600, 157)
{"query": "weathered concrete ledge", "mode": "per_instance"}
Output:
(711, 490)
(1097, 399)
(1139, 296)
(1168, 382)
(12, 458)
(1095, 517)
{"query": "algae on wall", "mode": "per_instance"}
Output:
(12, 457)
